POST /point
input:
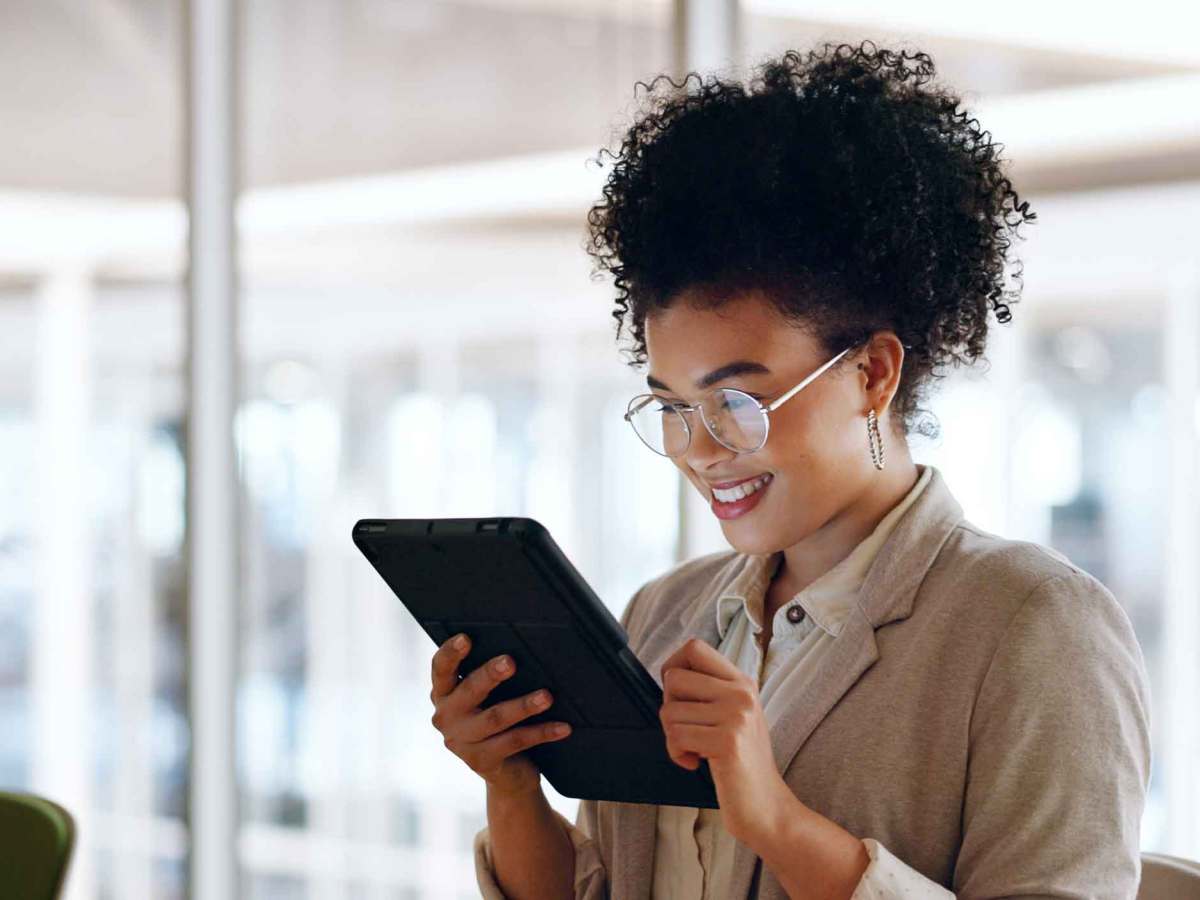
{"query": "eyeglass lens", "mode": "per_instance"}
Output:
(734, 419)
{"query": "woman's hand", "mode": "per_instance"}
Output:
(482, 738)
(711, 709)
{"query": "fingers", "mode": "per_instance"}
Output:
(701, 741)
(687, 684)
(474, 689)
(471, 691)
(501, 746)
(459, 702)
(487, 738)
(675, 713)
(687, 760)
(445, 665)
(496, 718)
(680, 712)
(703, 657)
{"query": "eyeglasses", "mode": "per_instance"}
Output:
(735, 419)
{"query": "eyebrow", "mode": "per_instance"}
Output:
(738, 367)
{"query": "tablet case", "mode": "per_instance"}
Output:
(507, 584)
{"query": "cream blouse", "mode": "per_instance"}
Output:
(693, 852)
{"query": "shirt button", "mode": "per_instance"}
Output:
(795, 613)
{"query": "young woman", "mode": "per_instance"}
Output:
(892, 702)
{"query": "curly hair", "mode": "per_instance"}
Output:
(849, 191)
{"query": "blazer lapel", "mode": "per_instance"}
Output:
(887, 595)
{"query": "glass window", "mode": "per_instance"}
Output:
(92, 608)
(421, 340)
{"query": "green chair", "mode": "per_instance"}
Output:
(36, 840)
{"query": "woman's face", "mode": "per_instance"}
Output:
(816, 455)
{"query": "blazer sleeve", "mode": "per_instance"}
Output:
(590, 882)
(1059, 752)
(591, 876)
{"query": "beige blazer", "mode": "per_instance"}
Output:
(984, 715)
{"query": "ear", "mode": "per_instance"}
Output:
(879, 370)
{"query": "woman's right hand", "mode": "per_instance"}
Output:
(483, 738)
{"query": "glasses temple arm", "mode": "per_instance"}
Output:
(779, 400)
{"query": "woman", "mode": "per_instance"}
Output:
(892, 702)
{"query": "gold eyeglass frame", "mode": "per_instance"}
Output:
(680, 409)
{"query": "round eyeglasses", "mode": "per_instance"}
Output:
(734, 418)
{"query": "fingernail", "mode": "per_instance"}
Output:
(501, 665)
(561, 728)
(460, 642)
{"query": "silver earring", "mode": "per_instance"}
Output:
(874, 441)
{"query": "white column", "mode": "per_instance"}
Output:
(329, 653)
(61, 680)
(550, 482)
(212, 490)
(133, 662)
(1181, 615)
(706, 36)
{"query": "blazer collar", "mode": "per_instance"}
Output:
(891, 582)
(887, 595)
(831, 597)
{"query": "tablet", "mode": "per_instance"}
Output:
(509, 587)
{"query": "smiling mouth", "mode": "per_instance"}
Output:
(745, 489)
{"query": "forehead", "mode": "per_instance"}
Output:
(689, 340)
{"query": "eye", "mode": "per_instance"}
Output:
(738, 401)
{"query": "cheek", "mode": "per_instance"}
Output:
(816, 427)
(796, 437)
(811, 441)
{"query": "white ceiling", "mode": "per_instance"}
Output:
(90, 93)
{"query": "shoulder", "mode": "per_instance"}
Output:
(1010, 572)
(1020, 598)
(1058, 726)
(1020, 560)
(1046, 612)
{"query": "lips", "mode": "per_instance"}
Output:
(726, 485)
(733, 509)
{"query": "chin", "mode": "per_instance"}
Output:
(749, 540)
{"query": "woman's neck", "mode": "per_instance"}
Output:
(805, 562)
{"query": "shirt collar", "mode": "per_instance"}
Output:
(830, 598)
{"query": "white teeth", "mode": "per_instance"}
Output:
(742, 490)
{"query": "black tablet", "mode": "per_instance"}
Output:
(506, 584)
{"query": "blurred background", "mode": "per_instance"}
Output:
(383, 302)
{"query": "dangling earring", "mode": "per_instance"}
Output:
(874, 441)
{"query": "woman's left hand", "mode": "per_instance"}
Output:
(711, 709)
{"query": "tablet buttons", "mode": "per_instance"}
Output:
(795, 613)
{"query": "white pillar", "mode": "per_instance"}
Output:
(706, 36)
(550, 483)
(1181, 616)
(62, 602)
(133, 661)
(330, 652)
(212, 491)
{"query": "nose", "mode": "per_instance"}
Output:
(704, 450)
